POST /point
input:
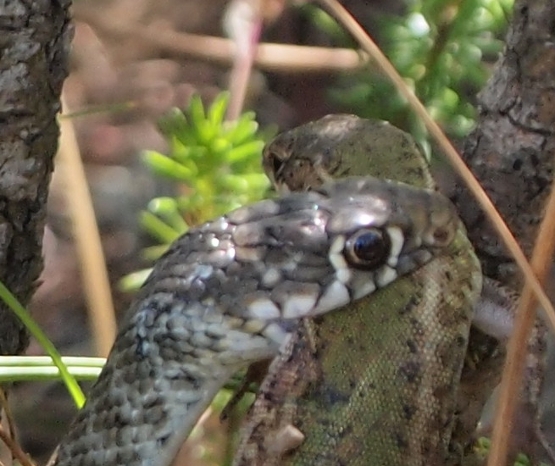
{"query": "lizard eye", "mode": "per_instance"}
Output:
(368, 248)
(274, 162)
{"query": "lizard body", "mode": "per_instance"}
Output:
(377, 383)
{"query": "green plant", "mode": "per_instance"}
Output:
(444, 50)
(216, 165)
(483, 446)
(56, 364)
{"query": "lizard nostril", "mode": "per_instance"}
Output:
(442, 236)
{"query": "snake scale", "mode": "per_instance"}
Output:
(231, 291)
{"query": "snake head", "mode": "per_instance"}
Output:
(263, 266)
(320, 250)
(386, 230)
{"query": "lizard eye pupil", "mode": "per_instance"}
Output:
(368, 248)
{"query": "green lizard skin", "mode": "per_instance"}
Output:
(376, 385)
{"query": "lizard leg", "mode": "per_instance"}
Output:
(495, 310)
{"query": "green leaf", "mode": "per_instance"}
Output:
(245, 151)
(167, 167)
(220, 146)
(167, 208)
(174, 124)
(35, 368)
(206, 132)
(243, 129)
(217, 110)
(34, 329)
(196, 111)
(217, 163)
(135, 280)
(158, 228)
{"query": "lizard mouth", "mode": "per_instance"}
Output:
(313, 175)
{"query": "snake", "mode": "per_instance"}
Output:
(230, 292)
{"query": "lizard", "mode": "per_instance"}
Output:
(230, 292)
(365, 386)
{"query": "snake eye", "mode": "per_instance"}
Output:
(368, 248)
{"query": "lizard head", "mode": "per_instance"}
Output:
(342, 145)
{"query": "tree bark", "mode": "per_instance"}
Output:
(512, 149)
(511, 152)
(34, 43)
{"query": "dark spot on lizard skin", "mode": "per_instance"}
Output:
(411, 370)
(440, 392)
(401, 441)
(409, 411)
(318, 320)
(330, 396)
(290, 358)
(345, 431)
(412, 304)
(412, 346)
(415, 323)
(362, 347)
(460, 341)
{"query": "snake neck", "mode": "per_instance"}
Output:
(137, 421)
(152, 390)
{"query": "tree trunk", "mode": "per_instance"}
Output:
(511, 152)
(34, 43)
(512, 149)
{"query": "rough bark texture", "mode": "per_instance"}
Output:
(512, 153)
(512, 149)
(34, 43)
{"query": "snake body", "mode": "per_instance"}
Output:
(228, 293)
